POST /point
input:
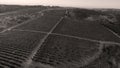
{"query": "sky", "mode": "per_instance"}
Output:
(69, 3)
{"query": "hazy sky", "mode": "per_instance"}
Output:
(73, 3)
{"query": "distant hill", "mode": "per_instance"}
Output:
(8, 8)
(110, 18)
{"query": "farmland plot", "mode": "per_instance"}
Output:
(18, 17)
(85, 29)
(60, 51)
(44, 23)
(16, 46)
(56, 38)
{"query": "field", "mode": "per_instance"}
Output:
(44, 23)
(85, 29)
(17, 17)
(16, 46)
(66, 51)
(58, 37)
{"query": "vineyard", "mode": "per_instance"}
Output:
(60, 50)
(85, 29)
(44, 23)
(16, 46)
(56, 37)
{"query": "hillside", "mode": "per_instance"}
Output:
(59, 37)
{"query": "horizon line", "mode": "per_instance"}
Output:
(61, 6)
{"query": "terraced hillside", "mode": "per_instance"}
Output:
(59, 38)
